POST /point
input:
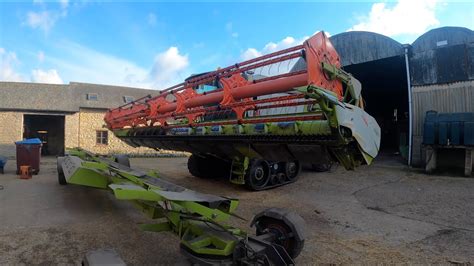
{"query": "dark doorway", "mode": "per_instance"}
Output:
(384, 89)
(48, 128)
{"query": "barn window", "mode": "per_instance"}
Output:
(442, 43)
(92, 97)
(102, 137)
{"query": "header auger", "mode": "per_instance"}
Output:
(259, 120)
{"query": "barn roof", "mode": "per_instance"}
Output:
(442, 55)
(64, 98)
(444, 36)
(355, 47)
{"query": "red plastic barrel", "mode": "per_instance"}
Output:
(28, 152)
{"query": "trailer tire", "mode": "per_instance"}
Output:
(61, 177)
(292, 246)
(287, 225)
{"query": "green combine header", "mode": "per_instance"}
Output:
(196, 218)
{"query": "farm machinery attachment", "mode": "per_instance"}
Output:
(196, 218)
(258, 121)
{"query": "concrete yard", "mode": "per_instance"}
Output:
(384, 213)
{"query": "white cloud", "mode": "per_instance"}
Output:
(82, 64)
(40, 56)
(8, 62)
(229, 27)
(272, 47)
(43, 20)
(405, 17)
(283, 44)
(74, 62)
(64, 3)
(169, 67)
(250, 53)
(46, 19)
(46, 76)
(152, 19)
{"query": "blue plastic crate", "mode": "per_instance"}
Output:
(431, 116)
(455, 133)
(445, 117)
(458, 128)
(463, 117)
(443, 133)
(429, 133)
(3, 161)
(469, 133)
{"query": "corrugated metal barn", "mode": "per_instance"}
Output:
(402, 82)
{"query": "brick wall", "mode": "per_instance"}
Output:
(11, 130)
(80, 131)
(71, 130)
(91, 120)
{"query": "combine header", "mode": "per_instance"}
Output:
(195, 217)
(258, 121)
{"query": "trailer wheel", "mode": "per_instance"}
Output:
(287, 227)
(292, 170)
(61, 177)
(257, 175)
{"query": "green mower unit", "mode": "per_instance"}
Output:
(196, 218)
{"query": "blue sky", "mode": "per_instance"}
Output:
(156, 44)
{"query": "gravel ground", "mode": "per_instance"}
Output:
(384, 213)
